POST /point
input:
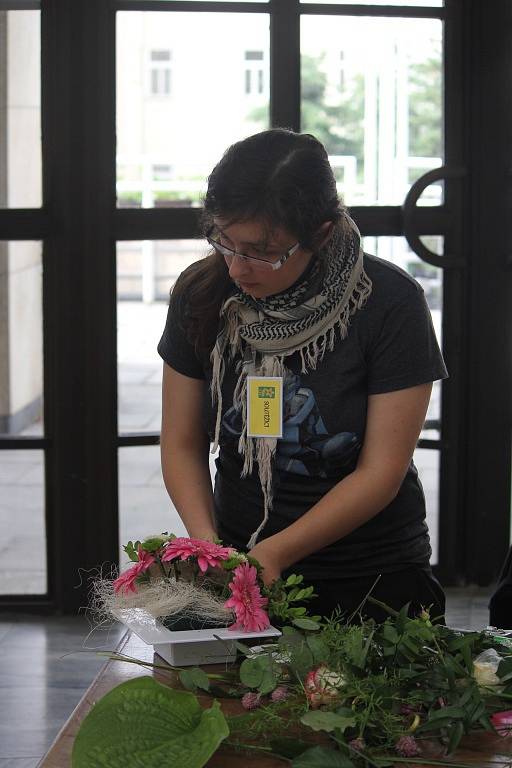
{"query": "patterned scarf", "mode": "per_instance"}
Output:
(261, 333)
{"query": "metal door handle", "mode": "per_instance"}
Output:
(409, 207)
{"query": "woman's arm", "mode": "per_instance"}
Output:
(393, 424)
(184, 447)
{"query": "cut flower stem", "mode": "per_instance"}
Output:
(165, 667)
(431, 761)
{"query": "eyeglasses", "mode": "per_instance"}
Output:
(258, 262)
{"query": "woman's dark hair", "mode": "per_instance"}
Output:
(278, 176)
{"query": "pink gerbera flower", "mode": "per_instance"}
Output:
(126, 582)
(502, 721)
(247, 601)
(207, 553)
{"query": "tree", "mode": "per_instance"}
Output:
(425, 107)
(338, 126)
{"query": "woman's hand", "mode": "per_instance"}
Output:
(268, 560)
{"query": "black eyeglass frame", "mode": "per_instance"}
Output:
(229, 253)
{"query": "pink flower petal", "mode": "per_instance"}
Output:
(247, 601)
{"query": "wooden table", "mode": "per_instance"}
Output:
(481, 750)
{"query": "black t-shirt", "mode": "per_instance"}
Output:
(391, 345)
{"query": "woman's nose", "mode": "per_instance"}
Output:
(238, 268)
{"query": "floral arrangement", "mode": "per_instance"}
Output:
(328, 693)
(193, 583)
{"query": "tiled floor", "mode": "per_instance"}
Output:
(46, 664)
(44, 671)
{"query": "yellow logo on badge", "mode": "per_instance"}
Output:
(266, 392)
(264, 406)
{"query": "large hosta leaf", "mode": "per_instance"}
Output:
(142, 723)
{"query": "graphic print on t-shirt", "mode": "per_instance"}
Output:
(306, 447)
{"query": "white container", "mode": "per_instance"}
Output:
(190, 647)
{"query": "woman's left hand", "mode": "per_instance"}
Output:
(263, 553)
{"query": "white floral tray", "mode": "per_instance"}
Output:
(187, 647)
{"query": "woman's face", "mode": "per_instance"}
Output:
(253, 238)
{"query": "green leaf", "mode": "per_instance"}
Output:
(320, 757)
(301, 659)
(194, 678)
(456, 713)
(245, 649)
(443, 717)
(456, 734)
(306, 624)
(504, 670)
(290, 634)
(293, 579)
(288, 748)
(131, 552)
(390, 634)
(251, 672)
(141, 723)
(403, 619)
(319, 720)
(152, 543)
(318, 648)
(268, 682)
(259, 672)
(186, 680)
(476, 712)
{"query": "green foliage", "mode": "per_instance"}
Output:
(306, 623)
(320, 720)
(425, 106)
(260, 672)
(142, 723)
(131, 550)
(339, 126)
(338, 120)
(504, 670)
(194, 678)
(318, 648)
(372, 682)
(295, 649)
(288, 748)
(153, 543)
(321, 757)
(283, 597)
(236, 559)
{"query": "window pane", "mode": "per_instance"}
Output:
(187, 118)
(22, 523)
(411, 3)
(144, 505)
(382, 121)
(20, 109)
(21, 339)
(427, 463)
(236, 1)
(146, 271)
(396, 250)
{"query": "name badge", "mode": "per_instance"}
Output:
(265, 406)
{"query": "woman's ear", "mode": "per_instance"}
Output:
(323, 234)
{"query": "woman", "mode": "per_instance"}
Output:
(287, 296)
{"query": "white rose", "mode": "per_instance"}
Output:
(485, 666)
